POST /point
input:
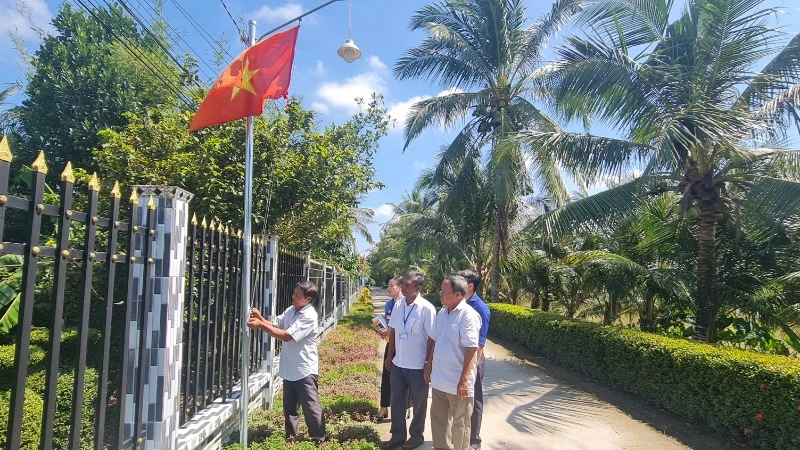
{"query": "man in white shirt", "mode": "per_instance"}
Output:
(450, 366)
(409, 328)
(299, 364)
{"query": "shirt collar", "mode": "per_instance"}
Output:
(458, 307)
(474, 298)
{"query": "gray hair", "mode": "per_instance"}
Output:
(417, 277)
(458, 284)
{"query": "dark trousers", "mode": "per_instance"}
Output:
(303, 392)
(477, 409)
(408, 383)
(386, 385)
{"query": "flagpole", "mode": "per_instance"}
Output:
(248, 232)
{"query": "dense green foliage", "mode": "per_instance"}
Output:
(307, 181)
(756, 397)
(84, 78)
(696, 233)
(484, 52)
(32, 418)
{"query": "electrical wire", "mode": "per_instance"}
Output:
(239, 31)
(158, 42)
(154, 65)
(139, 57)
(175, 35)
(204, 34)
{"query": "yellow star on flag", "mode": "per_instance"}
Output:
(247, 83)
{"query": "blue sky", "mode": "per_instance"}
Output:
(321, 78)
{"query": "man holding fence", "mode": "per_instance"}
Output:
(299, 364)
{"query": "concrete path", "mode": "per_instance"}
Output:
(530, 408)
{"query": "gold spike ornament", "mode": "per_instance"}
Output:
(151, 204)
(67, 174)
(134, 199)
(40, 165)
(5, 150)
(115, 192)
(94, 183)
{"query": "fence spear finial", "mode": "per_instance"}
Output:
(151, 204)
(115, 192)
(94, 183)
(194, 219)
(203, 224)
(5, 150)
(134, 198)
(212, 225)
(67, 174)
(39, 164)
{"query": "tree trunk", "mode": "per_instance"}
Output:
(608, 318)
(535, 299)
(479, 270)
(706, 236)
(496, 260)
(546, 300)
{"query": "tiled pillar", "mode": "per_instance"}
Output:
(272, 301)
(165, 318)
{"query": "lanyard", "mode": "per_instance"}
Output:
(405, 317)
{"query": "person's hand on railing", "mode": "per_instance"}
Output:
(256, 314)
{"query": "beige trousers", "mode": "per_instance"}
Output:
(450, 420)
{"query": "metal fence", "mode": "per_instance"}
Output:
(117, 271)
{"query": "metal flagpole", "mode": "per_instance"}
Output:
(248, 232)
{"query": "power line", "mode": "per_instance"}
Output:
(160, 66)
(204, 34)
(140, 57)
(176, 36)
(238, 31)
(158, 42)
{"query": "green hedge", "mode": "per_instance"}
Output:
(754, 396)
(35, 390)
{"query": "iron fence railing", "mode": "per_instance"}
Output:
(62, 252)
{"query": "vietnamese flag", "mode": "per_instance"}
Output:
(261, 72)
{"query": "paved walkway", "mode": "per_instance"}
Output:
(532, 404)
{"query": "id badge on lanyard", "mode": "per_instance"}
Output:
(404, 334)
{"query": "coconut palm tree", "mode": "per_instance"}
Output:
(483, 52)
(692, 110)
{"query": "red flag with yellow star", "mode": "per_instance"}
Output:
(261, 72)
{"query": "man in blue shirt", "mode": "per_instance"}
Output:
(473, 283)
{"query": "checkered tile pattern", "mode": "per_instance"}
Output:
(165, 318)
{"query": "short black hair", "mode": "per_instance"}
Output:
(471, 277)
(310, 290)
(417, 276)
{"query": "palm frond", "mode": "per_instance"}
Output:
(640, 21)
(443, 110)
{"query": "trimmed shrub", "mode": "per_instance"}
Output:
(66, 378)
(364, 296)
(754, 396)
(32, 411)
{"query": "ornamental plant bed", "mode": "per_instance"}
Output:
(349, 385)
(754, 396)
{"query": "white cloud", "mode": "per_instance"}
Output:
(36, 13)
(320, 69)
(399, 111)
(343, 95)
(277, 14)
(375, 63)
(383, 212)
(452, 90)
(419, 165)
(320, 107)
